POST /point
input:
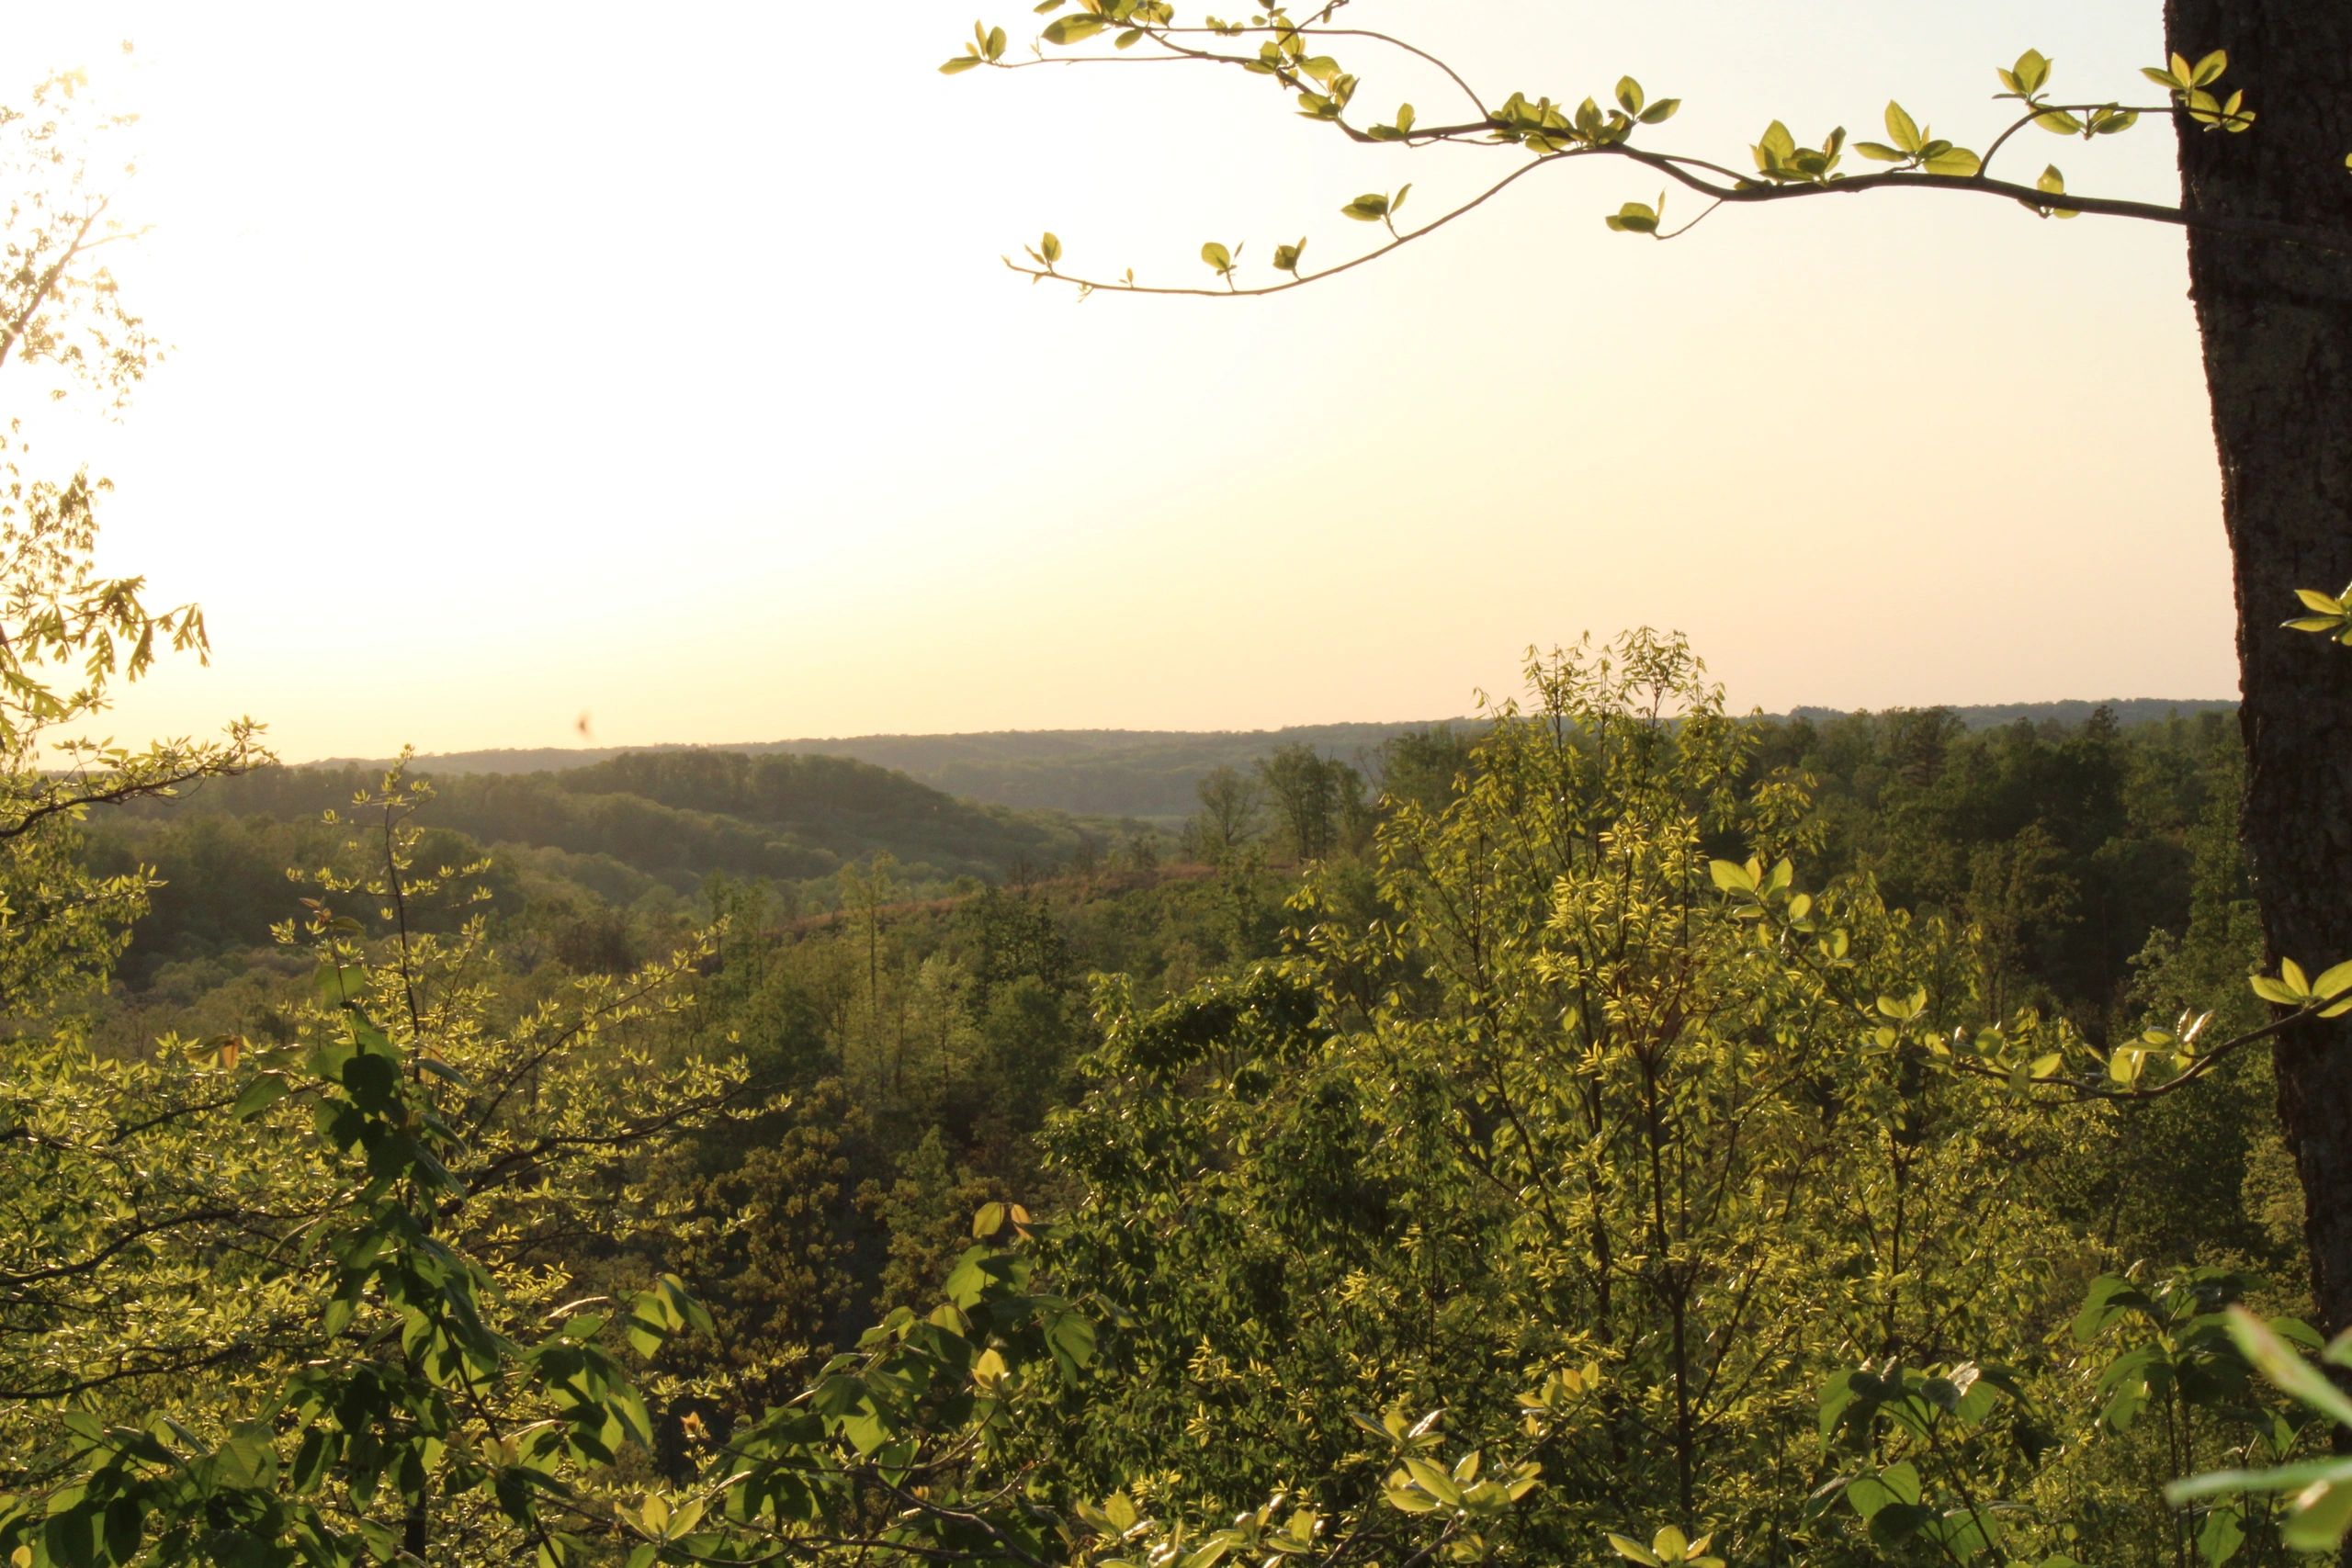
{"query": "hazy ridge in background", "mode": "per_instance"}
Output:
(1151, 773)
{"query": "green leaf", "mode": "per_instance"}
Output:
(2287, 1371)
(1218, 257)
(336, 985)
(2321, 1517)
(1880, 152)
(2221, 1535)
(2270, 990)
(1432, 1479)
(1629, 95)
(265, 1091)
(1901, 129)
(1902, 1010)
(312, 1458)
(1961, 1533)
(1070, 1336)
(1953, 162)
(435, 1067)
(582, 1327)
(2280, 1478)
(123, 1523)
(647, 1336)
(70, 1538)
(2208, 69)
(1898, 1522)
(2333, 981)
(2325, 603)
(961, 62)
(1075, 28)
(1369, 208)
(685, 1311)
(1634, 218)
(2053, 183)
(1633, 1551)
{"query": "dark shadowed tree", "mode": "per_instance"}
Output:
(1232, 806)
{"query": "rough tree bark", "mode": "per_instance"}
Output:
(2276, 322)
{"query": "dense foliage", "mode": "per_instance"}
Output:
(1498, 1109)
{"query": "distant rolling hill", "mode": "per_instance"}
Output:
(1143, 773)
(658, 824)
(1150, 774)
(646, 828)
(679, 816)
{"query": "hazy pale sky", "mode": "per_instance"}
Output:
(657, 363)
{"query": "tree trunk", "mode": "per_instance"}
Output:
(2276, 322)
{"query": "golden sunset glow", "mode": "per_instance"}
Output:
(536, 361)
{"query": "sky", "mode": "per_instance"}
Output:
(658, 366)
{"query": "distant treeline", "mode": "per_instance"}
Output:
(1145, 774)
(2065, 842)
(2127, 712)
(1154, 774)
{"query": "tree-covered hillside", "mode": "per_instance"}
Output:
(684, 814)
(2064, 842)
(1151, 774)
(639, 828)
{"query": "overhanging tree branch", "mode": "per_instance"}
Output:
(1785, 172)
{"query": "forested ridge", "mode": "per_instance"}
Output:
(2062, 816)
(1145, 774)
(638, 827)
